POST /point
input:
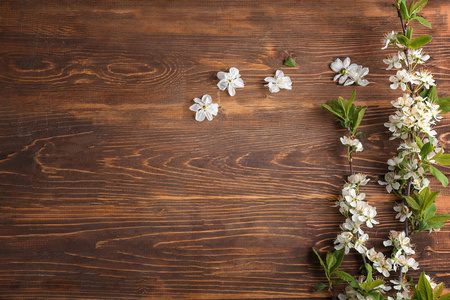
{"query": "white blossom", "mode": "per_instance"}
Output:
(230, 80)
(391, 181)
(341, 67)
(390, 38)
(204, 108)
(353, 142)
(278, 82)
(403, 212)
(356, 75)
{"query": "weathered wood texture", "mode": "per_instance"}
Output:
(111, 190)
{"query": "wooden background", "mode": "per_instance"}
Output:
(111, 190)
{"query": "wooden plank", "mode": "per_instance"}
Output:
(111, 190)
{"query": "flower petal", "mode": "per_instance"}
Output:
(213, 108)
(200, 115)
(336, 65)
(208, 115)
(197, 100)
(234, 72)
(343, 79)
(207, 99)
(269, 79)
(238, 83)
(221, 75)
(278, 74)
(337, 76)
(195, 107)
(222, 84)
(231, 90)
(347, 62)
(273, 88)
(349, 82)
(363, 82)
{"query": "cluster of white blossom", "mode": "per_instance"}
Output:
(349, 73)
(352, 294)
(412, 123)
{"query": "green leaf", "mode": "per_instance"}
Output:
(321, 261)
(290, 62)
(350, 101)
(432, 94)
(412, 203)
(424, 288)
(374, 295)
(369, 273)
(357, 122)
(320, 286)
(348, 278)
(425, 150)
(445, 297)
(422, 21)
(409, 33)
(437, 291)
(331, 260)
(332, 110)
(376, 283)
(423, 225)
(403, 39)
(424, 92)
(439, 218)
(404, 11)
(430, 212)
(339, 255)
(419, 142)
(444, 104)
(418, 6)
(420, 41)
(360, 134)
(439, 176)
(429, 200)
(442, 159)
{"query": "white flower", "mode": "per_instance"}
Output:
(417, 57)
(341, 67)
(393, 61)
(389, 39)
(356, 74)
(403, 212)
(401, 79)
(204, 108)
(355, 143)
(425, 78)
(344, 240)
(230, 80)
(278, 82)
(358, 178)
(391, 181)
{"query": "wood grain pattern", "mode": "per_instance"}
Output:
(111, 190)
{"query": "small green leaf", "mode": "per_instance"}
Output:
(419, 142)
(439, 218)
(404, 11)
(348, 278)
(424, 92)
(350, 101)
(444, 104)
(429, 200)
(412, 203)
(439, 176)
(432, 94)
(442, 159)
(409, 33)
(419, 41)
(290, 62)
(423, 225)
(403, 39)
(422, 21)
(321, 261)
(359, 116)
(332, 110)
(430, 212)
(320, 286)
(418, 6)
(437, 291)
(424, 287)
(339, 255)
(445, 297)
(331, 260)
(376, 283)
(425, 150)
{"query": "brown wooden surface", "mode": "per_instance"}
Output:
(111, 190)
